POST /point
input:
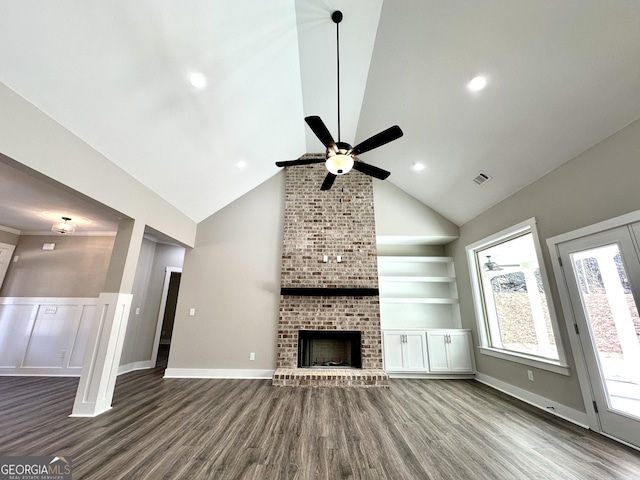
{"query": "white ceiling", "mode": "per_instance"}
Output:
(563, 75)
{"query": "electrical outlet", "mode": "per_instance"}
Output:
(530, 375)
(138, 311)
(192, 312)
(252, 356)
(63, 354)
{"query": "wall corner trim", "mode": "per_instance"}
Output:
(559, 410)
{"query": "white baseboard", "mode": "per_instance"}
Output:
(562, 411)
(431, 376)
(40, 372)
(130, 367)
(236, 373)
(87, 412)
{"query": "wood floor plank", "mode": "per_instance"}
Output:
(248, 429)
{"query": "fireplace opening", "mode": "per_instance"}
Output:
(329, 349)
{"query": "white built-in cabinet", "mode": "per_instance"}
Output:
(449, 351)
(420, 317)
(437, 351)
(405, 351)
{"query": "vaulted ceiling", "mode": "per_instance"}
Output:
(562, 76)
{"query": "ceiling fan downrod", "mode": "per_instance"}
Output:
(337, 18)
(340, 156)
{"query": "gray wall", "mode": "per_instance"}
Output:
(232, 279)
(599, 184)
(400, 214)
(147, 293)
(77, 267)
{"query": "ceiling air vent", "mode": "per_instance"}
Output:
(481, 178)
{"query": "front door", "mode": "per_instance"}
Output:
(602, 272)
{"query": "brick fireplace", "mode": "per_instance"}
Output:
(329, 278)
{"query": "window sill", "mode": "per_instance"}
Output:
(549, 365)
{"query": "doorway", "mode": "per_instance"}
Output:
(167, 315)
(601, 274)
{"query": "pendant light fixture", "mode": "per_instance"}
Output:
(66, 227)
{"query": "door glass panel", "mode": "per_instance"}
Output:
(612, 317)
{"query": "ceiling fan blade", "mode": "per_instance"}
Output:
(320, 129)
(328, 181)
(382, 138)
(371, 170)
(301, 161)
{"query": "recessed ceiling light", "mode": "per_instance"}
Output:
(418, 167)
(477, 83)
(241, 164)
(197, 80)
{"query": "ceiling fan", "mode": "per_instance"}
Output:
(490, 266)
(340, 157)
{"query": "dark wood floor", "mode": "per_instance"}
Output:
(247, 429)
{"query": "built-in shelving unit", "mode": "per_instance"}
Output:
(418, 292)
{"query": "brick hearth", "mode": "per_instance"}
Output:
(317, 377)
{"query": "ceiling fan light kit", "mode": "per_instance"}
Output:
(339, 163)
(340, 157)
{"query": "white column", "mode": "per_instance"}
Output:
(102, 357)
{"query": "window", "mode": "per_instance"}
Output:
(514, 313)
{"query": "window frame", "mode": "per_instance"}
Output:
(482, 321)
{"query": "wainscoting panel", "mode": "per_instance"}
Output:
(44, 336)
(16, 322)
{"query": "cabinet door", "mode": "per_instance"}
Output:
(393, 350)
(438, 352)
(460, 352)
(415, 346)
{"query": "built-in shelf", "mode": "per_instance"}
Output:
(397, 259)
(418, 292)
(419, 279)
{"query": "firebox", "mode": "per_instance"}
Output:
(329, 349)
